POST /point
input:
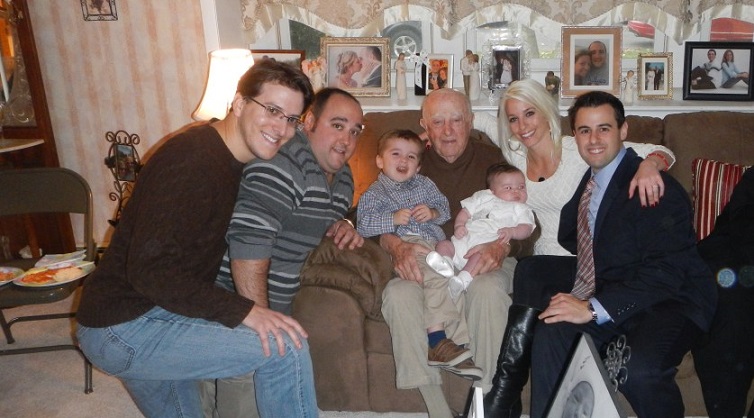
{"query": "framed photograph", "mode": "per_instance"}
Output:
(99, 10)
(590, 59)
(585, 389)
(439, 71)
(360, 66)
(718, 71)
(505, 66)
(655, 76)
(290, 56)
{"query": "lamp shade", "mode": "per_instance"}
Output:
(226, 66)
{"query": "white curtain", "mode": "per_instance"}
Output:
(676, 18)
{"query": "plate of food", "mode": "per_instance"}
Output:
(8, 274)
(55, 275)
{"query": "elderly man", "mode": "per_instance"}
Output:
(457, 165)
(284, 208)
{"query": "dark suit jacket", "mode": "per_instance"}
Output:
(643, 256)
(375, 78)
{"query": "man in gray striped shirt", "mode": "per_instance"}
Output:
(284, 207)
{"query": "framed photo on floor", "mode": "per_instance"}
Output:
(655, 76)
(718, 71)
(585, 389)
(590, 59)
(360, 66)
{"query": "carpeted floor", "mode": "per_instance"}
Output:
(51, 384)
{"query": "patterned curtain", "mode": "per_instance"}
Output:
(676, 18)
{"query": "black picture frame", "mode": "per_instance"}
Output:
(700, 84)
(99, 10)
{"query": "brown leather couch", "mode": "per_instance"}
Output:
(339, 302)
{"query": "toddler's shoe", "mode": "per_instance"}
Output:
(447, 353)
(441, 264)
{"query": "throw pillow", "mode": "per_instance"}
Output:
(713, 184)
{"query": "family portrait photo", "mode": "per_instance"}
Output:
(439, 71)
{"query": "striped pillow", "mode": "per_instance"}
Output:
(713, 184)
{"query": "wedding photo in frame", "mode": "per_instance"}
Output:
(590, 60)
(360, 66)
(505, 66)
(718, 71)
(290, 56)
(584, 389)
(655, 76)
(439, 71)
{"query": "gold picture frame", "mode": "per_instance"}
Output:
(601, 47)
(655, 76)
(370, 55)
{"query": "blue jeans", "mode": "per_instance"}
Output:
(161, 356)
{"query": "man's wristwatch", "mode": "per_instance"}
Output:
(594, 313)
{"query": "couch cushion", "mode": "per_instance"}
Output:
(363, 272)
(713, 184)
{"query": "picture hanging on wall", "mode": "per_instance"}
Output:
(98, 10)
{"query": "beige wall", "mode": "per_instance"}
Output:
(143, 73)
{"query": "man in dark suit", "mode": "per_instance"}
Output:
(372, 67)
(647, 280)
(724, 362)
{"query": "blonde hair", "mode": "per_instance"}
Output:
(533, 93)
(345, 59)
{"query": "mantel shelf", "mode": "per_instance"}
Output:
(8, 145)
(657, 108)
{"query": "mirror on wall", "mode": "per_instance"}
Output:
(16, 105)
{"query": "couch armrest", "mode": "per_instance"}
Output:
(363, 272)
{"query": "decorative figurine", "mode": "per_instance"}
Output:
(400, 76)
(628, 87)
(552, 83)
(466, 69)
(474, 78)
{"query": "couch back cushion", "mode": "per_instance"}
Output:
(720, 136)
(644, 129)
(714, 182)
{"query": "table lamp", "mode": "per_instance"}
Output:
(226, 66)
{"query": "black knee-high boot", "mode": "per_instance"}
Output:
(504, 399)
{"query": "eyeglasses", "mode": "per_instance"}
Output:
(275, 112)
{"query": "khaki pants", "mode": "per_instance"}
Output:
(229, 398)
(484, 306)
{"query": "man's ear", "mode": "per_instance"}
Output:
(237, 104)
(309, 122)
(624, 131)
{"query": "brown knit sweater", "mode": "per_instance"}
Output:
(167, 248)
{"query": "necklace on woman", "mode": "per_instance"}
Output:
(543, 170)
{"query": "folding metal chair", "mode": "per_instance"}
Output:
(43, 190)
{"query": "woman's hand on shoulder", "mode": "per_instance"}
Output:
(648, 183)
